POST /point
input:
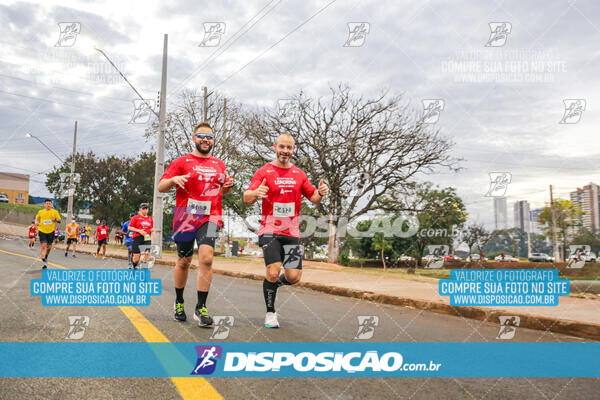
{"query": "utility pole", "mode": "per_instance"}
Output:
(72, 178)
(228, 250)
(557, 257)
(157, 200)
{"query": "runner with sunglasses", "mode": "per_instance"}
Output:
(200, 181)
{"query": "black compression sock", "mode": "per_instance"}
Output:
(202, 299)
(179, 295)
(270, 292)
(282, 281)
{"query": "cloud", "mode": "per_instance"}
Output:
(417, 49)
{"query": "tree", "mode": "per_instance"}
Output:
(504, 241)
(381, 243)
(364, 148)
(585, 236)
(112, 186)
(476, 235)
(567, 216)
(439, 212)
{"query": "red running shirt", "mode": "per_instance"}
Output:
(281, 207)
(102, 231)
(200, 201)
(144, 223)
(32, 230)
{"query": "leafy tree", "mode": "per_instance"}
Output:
(112, 186)
(585, 236)
(567, 216)
(439, 210)
(539, 244)
(381, 243)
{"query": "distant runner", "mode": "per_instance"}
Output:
(128, 241)
(281, 185)
(101, 236)
(142, 226)
(32, 232)
(72, 230)
(88, 234)
(45, 221)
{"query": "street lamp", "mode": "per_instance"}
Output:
(157, 199)
(29, 135)
(126, 80)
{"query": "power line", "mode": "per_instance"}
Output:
(228, 43)
(70, 75)
(62, 88)
(276, 43)
(58, 102)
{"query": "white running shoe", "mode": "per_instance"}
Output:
(271, 320)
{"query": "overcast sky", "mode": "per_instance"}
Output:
(502, 103)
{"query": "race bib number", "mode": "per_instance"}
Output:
(147, 236)
(198, 207)
(47, 222)
(284, 209)
(103, 231)
(130, 234)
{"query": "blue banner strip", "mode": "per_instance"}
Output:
(348, 359)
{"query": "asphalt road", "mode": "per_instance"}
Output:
(305, 315)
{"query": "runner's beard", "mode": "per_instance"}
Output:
(201, 150)
(284, 158)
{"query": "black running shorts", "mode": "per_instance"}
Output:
(46, 237)
(207, 234)
(281, 248)
(139, 241)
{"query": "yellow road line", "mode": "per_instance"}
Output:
(32, 258)
(189, 388)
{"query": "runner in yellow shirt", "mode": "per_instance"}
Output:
(45, 221)
(88, 230)
(72, 232)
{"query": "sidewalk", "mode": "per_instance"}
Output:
(573, 316)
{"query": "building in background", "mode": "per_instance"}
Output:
(15, 187)
(521, 215)
(500, 214)
(536, 227)
(588, 200)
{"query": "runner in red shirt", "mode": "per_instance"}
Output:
(32, 233)
(281, 186)
(200, 180)
(101, 236)
(142, 226)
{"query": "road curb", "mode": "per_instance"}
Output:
(554, 325)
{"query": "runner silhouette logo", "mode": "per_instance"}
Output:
(207, 359)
